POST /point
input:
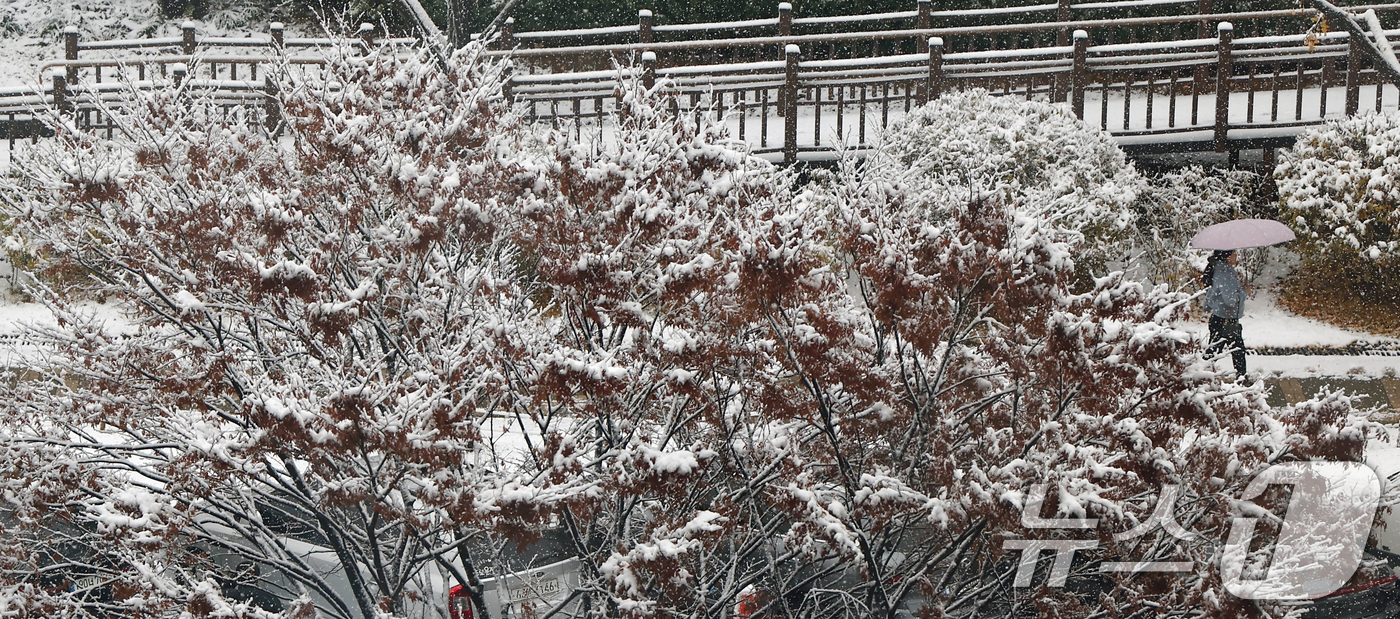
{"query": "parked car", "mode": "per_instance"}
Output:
(1377, 596)
(522, 593)
(1376, 599)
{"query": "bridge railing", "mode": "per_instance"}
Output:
(235, 73)
(1225, 89)
(221, 57)
(894, 33)
(1218, 92)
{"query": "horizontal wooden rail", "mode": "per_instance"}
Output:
(901, 34)
(177, 59)
(849, 19)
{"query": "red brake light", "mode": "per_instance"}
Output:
(459, 603)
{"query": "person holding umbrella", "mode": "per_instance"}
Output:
(1225, 295)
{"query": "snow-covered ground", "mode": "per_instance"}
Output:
(1267, 325)
(1322, 366)
(15, 318)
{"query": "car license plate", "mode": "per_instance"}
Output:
(538, 590)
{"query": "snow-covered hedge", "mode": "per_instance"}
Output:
(1032, 154)
(1338, 190)
(1038, 157)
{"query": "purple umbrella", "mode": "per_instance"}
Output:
(1243, 233)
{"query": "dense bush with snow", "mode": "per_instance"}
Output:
(1340, 191)
(414, 335)
(1037, 157)
(1032, 155)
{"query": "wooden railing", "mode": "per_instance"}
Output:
(1218, 91)
(236, 72)
(1222, 93)
(895, 33)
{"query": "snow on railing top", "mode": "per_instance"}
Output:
(733, 67)
(841, 19)
(577, 32)
(1010, 53)
(844, 19)
(129, 43)
(723, 25)
(1152, 45)
(900, 34)
(248, 41)
(178, 58)
(1124, 4)
(18, 90)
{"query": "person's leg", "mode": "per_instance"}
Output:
(1236, 342)
(1217, 336)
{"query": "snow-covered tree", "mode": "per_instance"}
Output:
(1006, 379)
(413, 330)
(314, 323)
(1338, 190)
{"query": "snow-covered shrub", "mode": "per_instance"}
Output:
(413, 331)
(1033, 155)
(980, 303)
(1340, 191)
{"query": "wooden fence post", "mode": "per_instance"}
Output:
(784, 30)
(1353, 76)
(648, 70)
(925, 22)
(507, 87)
(1203, 7)
(1081, 72)
(644, 33)
(1062, 14)
(60, 92)
(272, 111)
(508, 34)
(187, 38)
(933, 86)
(784, 19)
(792, 54)
(279, 40)
(70, 51)
(179, 70)
(1224, 70)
